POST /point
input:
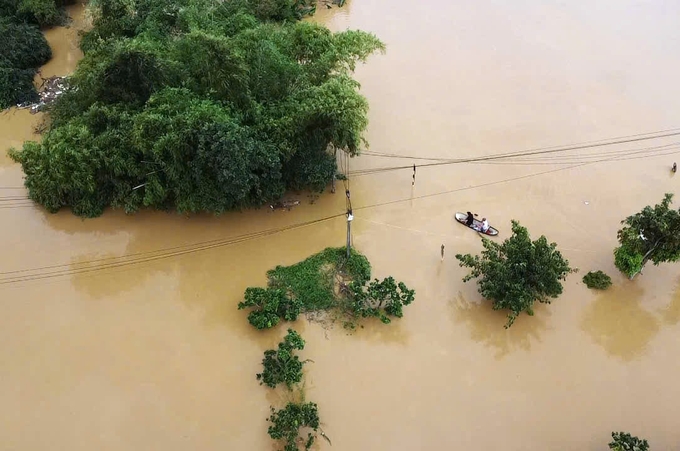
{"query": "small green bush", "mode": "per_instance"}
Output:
(270, 306)
(281, 366)
(597, 280)
(286, 424)
(626, 442)
(380, 299)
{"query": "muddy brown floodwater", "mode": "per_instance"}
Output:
(112, 337)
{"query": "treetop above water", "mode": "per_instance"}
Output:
(199, 106)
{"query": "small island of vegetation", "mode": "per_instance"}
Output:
(326, 282)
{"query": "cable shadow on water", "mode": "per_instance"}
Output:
(486, 325)
(618, 323)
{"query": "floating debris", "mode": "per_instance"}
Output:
(50, 89)
(330, 3)
(284, 204)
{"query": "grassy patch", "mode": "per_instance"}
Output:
(325, 281)
(315, 281)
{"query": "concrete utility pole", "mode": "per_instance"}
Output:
(350, 217)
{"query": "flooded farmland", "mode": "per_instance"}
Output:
(122, 333)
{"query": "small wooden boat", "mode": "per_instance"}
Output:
(476, 225)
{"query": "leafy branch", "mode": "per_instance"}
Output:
(380, 299)
(281, 365)
(287, 422)
(623, 441)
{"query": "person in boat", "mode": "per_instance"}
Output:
(485, 225)
(470, 219)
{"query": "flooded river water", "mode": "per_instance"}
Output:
(121, 333)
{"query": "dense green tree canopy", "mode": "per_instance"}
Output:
(23, 49)
(518, 272)
(39, 12)
(199, 106)
(650, 235)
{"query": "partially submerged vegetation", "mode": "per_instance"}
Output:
(282, 365)
(597, 280)
(518, 272)
(286, 424)
(653, 235)
(197, 105)
(623, 441)
(327, 281)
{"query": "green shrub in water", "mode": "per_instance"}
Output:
(623, 441)
(281, 365)
(597, 280)
(286, 424)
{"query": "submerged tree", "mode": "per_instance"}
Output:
(623, 441)
(281, 365)
(269, 305)
(650, 235)
(379, 299)
(287, 422)
(518, 272)
(199, 106)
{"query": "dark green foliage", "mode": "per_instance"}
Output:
(311, 280)
(283, 10)
(23, 46)
(270, 305)
(597, 280)
(380, 299)
(44, 12)
(287, 422)
(39, 12)
(650, 235)
(518, 272)
(16, 86)
(23, 49)
(327, 280)
(226, 112)
(623, 441)
(281, 366)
